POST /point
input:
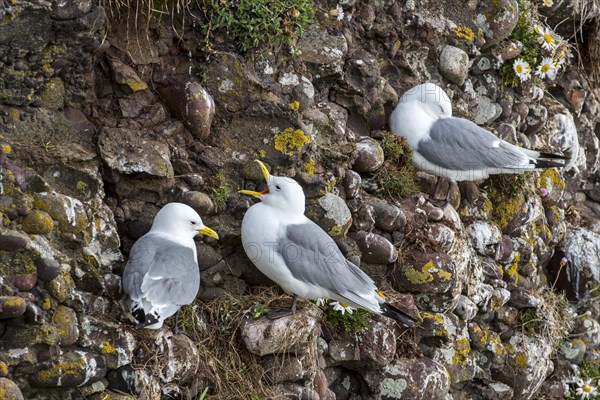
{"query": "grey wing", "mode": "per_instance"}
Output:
(459, 144)
(312, 256)
(161, 271)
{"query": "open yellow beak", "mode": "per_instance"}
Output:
(208, 232)
(265, 173)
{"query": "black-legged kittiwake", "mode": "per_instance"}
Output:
(302, 258)
(457, 148)
(162, 272)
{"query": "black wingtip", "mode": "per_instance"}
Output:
(552, 156)
(394, 313)
(541, 163)
(143, 319)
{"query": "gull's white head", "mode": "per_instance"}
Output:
(435, 101)
(181, 220)
(283, 193)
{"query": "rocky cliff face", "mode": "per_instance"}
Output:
(106, 115)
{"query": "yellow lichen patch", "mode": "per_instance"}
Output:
(462, 348)
(521, 360)
(5, 148)
(464, 32)
(513, 270)
(444, 275)
(137, 85)
(63, 369)
(551, 179)
(484, 337)
(46, 304)
(505, 212)
(291, 141)
(108, 348)
(417, 277)
(294, 105)
(3, 371)
(310, 167)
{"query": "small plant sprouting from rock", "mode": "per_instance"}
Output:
(221, 189)
(508, 186)
(257, 310)
(396, 178)
(257, 22)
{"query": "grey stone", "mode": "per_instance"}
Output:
(126, 76)
(536, 118)
(497, 20)
(574, 350)
(465, 308)
(331, 213)
(318, 46)
(304, 93)
(70, 9)
(388, 217)
(454, 64)
(352, 184)
(293, 333)
(364, 219)
(486, 237)
(112, 340)
(415, 378)
(65, 320)
(375, 249)
(372, 348)
(487, 111)
(199, 201)
(369, 156)
(129, 152)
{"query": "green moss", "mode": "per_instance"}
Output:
(521, 359)
(221, 189)
(291, 141)
(355, 322)
(550, 179)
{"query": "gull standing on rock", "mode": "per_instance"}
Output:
(302, 258)
(456, 148)
(162, 273)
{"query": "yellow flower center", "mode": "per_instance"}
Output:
(548, 38)
(586, 388)
(545, 68)
(519, 69)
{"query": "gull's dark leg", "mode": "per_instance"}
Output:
(284, 313)
(436, 202)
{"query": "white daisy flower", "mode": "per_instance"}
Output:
(341, 307)
(546, 68)
(548, 3)
(338, 12)
(522, 69)
(585, 389)
(320, 302)
(546, 37)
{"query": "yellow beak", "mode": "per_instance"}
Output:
(208, 232)
(266, 175)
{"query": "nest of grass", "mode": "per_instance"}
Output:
(228, 368)
(397, 177)
(551, 321)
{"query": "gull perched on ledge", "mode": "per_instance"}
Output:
(162, 273)
(456, 148)
(302, 258)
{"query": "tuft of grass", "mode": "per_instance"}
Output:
(221, 188)
(256, 23)
(551, 321)
(355, 322)
(396, 178)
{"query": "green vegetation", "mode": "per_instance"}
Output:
(525, 33)
(396, 178)
(257, 22)
(221, 188)
(355, 322)
(508, 186)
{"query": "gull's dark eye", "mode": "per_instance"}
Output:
(193, 222)
(277, 187)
